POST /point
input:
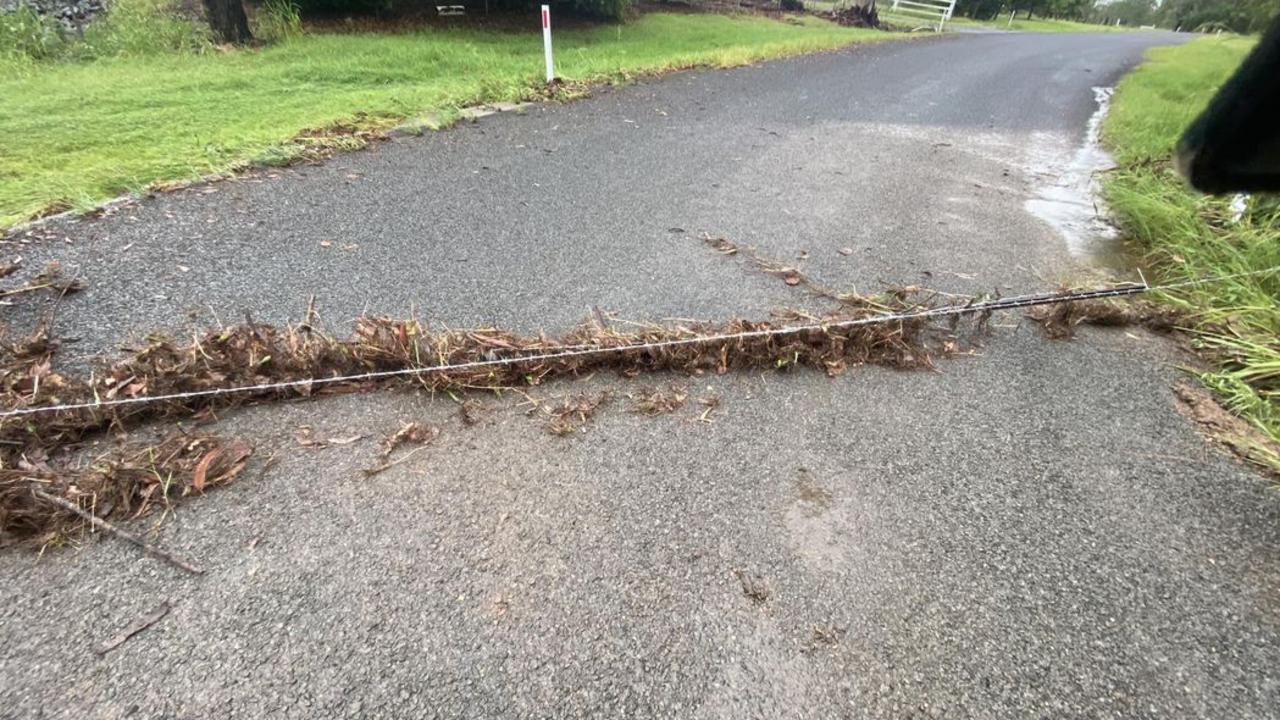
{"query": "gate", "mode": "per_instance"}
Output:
(918, 14)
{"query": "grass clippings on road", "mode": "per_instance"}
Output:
(41, 453)
(76, 133)
(1185, 236)
(128, 483)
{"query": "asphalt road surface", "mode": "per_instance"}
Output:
(1034, 530)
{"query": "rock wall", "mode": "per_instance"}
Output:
(71, 13)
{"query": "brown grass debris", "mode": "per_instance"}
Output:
(657, 401)
(123, 482)
(573, 412)
(413, 432)
(50, 278)
(1061, 319)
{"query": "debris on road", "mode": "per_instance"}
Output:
(1233, 432)
(574, 412)
(753, 586)
(420, 434)
(721, 245)
(42, 500)
(103, 525)
(827, 636)
(656, 401)
(790, 275)
(411, 432)
(471, 412)
(306, 438)
(233, 364)
(50, 278)
(388, 464)
(710, 403)
(137, 626)
(1060, 321)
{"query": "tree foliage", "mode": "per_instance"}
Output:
(1242, 16)
(987, 9)
(610, 9)
(1133, 13)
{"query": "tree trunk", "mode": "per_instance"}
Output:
(858, 13)
(228, 21)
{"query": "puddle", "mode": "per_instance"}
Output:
(1072, 204)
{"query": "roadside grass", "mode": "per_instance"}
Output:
(1184, 235)
(1039, 25)
(73, 134)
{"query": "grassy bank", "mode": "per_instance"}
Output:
(75, 133)
(1184, 235)
(1038, 25)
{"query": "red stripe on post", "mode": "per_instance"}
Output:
(546, 21)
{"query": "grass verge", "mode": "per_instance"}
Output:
(1184, 235)
(73, 134)
(1038, 25)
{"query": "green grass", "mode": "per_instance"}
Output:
(1039, 25)
(73, 134)
(1185, 235)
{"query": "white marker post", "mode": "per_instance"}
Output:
(546, 41)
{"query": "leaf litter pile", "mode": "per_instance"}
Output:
(41, 455)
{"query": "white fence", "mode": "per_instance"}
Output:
(918, 14)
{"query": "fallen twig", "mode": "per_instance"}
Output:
(134, 628)
(118, 532)
(48, 278)
(387, 465)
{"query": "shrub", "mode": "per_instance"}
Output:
(313, 8)
(605, 9)
(27, 35)
(608, 9)
(277, 20)
(142, 27)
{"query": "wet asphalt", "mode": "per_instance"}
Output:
(1031, 530)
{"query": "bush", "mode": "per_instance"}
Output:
(277, 20)
(27, 35)
(312, 8)
(607, 9)
(129, 27)
(604, 9)
(142, 27)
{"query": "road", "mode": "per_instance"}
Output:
(1031, 530)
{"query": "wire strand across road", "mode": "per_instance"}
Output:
(1009, 303)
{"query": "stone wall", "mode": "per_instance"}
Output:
(71, 13)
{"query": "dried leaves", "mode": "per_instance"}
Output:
(413, 432)
(471, 412)
(220, 464)
(724, 246)
(754, 586)
(255, 353)
(1061, 319)
(50, 278)
(573, 412)
(125, 482)
(306, 437)
(656, 401)
(420, 434)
